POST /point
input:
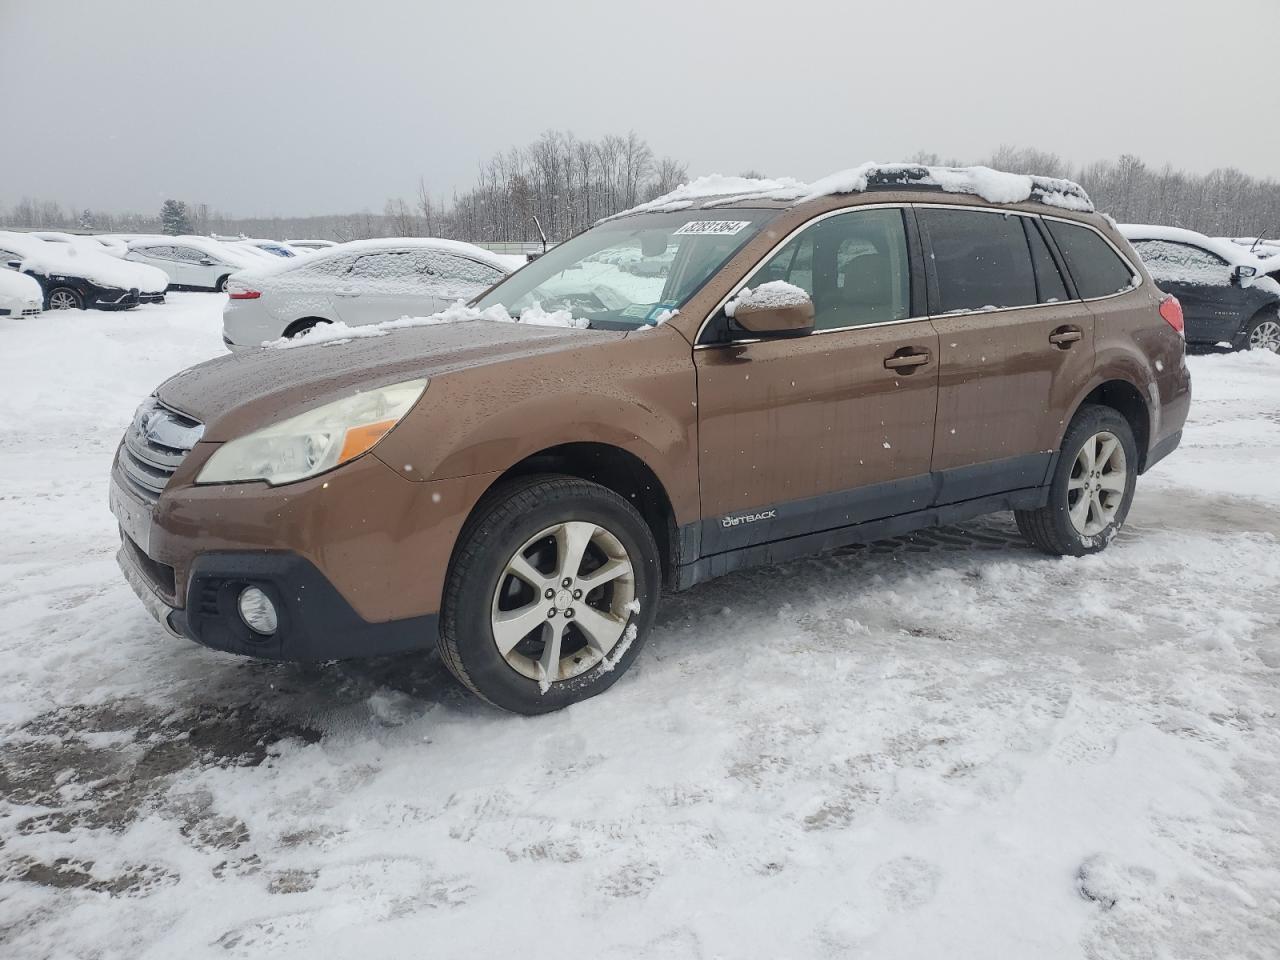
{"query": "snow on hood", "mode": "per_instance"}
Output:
(50, 259)
(994, 186)
(339, 332)
(18, 286)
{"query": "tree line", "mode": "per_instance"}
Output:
(559, 185)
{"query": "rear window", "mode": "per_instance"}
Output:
(980, 259)
(1096, 268)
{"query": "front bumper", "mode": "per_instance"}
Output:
(105, 299)
(354, 559)
(314, 621)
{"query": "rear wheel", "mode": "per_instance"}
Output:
(1264, 333)
(1092, 487)
(550, 594)
(64, 298)
(300, 328)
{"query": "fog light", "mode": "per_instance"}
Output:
(257, 611)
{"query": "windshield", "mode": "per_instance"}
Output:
(627, 273)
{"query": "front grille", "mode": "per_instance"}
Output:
(32, 312)
(155, 444)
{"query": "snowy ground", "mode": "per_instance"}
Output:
(946, 747)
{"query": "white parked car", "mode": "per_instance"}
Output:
(192, 263)
(20, 295)
(151, 282)
(365, 281)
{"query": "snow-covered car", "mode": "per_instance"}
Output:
(365, 281)
(20, 295)
(71, 279)
(151, 282)
(311, 244)
(1225, 294)
(192, 263)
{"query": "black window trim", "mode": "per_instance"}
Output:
(915, 286)
(919, 269)
(1134, 272)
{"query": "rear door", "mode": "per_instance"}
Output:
(385, 285)
(1211, 305)
(1015, 347)
(808, 434)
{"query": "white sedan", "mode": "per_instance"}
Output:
(20, 295)
(192, 263)
(365, 281)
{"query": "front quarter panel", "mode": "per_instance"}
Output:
(637, 392)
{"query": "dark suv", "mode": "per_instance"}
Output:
(1225, 297)
(517, 482)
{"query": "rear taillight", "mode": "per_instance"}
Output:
(1171, 310)
(239, 293)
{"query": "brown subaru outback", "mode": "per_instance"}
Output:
(752, 372)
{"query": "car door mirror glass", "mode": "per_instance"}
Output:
(13, 264)
(1243, 272)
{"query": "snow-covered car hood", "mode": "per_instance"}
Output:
(234, 394)
(19, 291)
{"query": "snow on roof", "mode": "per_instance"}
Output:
(1231, 252)
(213, 248)
(72, 260)
(283, 265)
(994, 186)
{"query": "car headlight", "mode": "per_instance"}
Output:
(314, 441)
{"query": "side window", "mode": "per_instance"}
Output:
(444, 275)
(855, 267)
(158, 252)
(981, 259)
(190, 254)
(1181, 262)
(1049, 282)
(1097, 269)
(388, 272)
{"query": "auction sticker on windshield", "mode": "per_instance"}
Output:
(717, 227)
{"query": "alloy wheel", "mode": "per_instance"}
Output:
(1095, 490)
(1265, 336)
(63, 300)
(563, 601)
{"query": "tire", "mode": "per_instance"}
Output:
(222, 284)
(531, 520)
(1263, 332)
(64, 298)
(300, 328)
(1055, 528)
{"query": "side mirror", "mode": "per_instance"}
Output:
(1241, 273)
(776, 309)
(13, 264)
(206, 261)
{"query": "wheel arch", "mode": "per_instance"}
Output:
(303, 323)
(1121, 395)
(614, 468)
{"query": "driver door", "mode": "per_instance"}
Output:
(809, 434)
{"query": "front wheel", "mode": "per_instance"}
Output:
(221, 285)
(1092, 487)
(1264, 333)
(64, 298)
(550, 595)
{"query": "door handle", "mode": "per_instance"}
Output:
(907, 359)
(1064, 337)
(346, 292)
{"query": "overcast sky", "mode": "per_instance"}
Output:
(270, 107)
